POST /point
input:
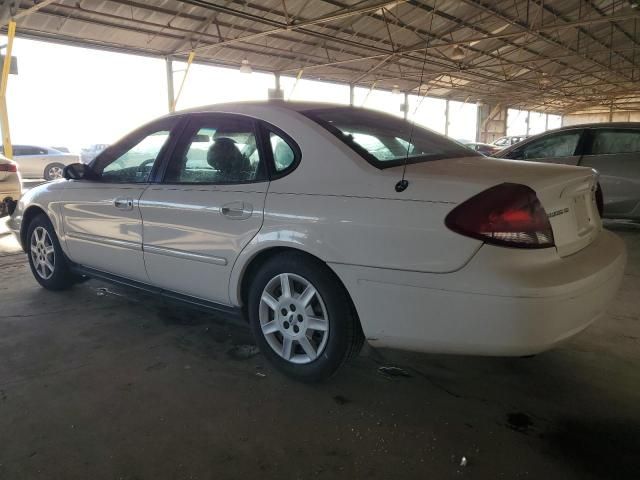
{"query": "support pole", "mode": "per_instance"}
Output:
(295, 84)
(610, 109)
(351, 94)
(6, 68)
(276, 93)
(405, 107)
(192, 55)
(446, 119)
(479, 114)
(169, 64)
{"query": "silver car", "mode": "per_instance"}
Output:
(504, 142)
(613, 149)
(41, 162)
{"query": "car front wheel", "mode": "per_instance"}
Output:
(46, 259)
(302, 318)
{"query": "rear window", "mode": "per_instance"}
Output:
(386, 141)
(606, 142)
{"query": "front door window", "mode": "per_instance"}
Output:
(132, 159)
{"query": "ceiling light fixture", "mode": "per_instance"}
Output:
(395, 90)
(245, 67)
(458, 53)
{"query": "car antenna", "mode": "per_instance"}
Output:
(402, 185)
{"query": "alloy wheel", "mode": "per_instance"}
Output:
(293, 318)
(55, 173)
(43, 253)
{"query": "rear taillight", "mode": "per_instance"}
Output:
(599, 200)
(508, 214)
(8, 167)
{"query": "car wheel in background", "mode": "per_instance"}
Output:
(46, 259)
(53, 171)
(302, 318)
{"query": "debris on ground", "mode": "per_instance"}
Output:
(393, 372)
(102, 291)
(340, 400)
(261, 375)
(463, 461)
(243, 352)
(518, 421)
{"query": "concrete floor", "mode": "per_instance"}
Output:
(103, 382)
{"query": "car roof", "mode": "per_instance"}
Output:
(289, 105)
(598, 125)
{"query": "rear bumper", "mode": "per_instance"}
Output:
(504, 302)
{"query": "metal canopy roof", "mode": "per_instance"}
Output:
(559, 56)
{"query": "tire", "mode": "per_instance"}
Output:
(46, 258)
(53, 171)
(311, 332)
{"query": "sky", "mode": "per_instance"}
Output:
(73, 97)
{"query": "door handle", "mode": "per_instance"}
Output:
(123, 203)
(237, 210)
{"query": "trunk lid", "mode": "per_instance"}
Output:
(567, 193)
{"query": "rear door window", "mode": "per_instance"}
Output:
(558, 145)
(609, 141)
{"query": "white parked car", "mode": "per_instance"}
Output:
(41, 162)
(296, 216)
(10, 186)
(92, 151)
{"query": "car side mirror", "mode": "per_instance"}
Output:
(78, 171)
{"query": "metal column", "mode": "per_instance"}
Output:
(192, 55)
(351, 94)
(446, 118)
(406, 105)
(170, 94)
(6, 68)
(276, 93)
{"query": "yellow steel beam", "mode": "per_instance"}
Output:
(295, 84)
(192, 55)
(4, 114)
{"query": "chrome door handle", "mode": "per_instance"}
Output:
(123, 203)
(237, 210)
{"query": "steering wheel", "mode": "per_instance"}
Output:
(144, 166)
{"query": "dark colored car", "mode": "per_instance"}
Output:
(484, 148)
(613, 149)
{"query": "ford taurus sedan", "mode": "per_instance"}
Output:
(613, 149)
(325, 225)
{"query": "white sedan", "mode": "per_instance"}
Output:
(302, 218)
(42, 162)
(10, 186)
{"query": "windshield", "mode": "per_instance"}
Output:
(386, 141)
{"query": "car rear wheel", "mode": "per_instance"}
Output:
(302, 318)
(46, 259)
(53, 171)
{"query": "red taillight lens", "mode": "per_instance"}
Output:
(599, 200)
(8, 167)
(508, 214)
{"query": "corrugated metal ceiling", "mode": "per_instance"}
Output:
(559, 56)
